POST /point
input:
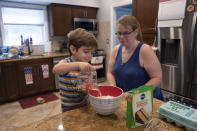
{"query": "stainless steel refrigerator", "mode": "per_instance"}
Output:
(178, 57)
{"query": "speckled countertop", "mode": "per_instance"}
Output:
(85, 119)
(46, 55)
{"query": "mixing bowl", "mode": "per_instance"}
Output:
(107, 101)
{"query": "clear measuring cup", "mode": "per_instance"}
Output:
(88, 81)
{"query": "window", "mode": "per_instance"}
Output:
(28, 22)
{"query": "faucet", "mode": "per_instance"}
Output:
(28, 46)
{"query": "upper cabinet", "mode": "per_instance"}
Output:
(146, 11)
(84, 12)
(60, 17)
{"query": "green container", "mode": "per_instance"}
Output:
(139, 110)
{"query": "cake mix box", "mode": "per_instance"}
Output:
(139, 109)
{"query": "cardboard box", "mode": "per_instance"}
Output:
(139, 109)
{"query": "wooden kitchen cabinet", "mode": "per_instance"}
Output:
(11, 81)
(8, 82)
(40, 84)
(2, 86)
(84, 12)
(60, 19)
(146, 11)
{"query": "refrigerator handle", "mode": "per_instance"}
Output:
(181, 58)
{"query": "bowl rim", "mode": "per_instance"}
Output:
(107, 85)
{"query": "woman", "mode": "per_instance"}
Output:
(132, 62)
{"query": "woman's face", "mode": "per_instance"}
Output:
(126, 34)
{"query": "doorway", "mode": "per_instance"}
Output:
(117, 11)
(120, 11)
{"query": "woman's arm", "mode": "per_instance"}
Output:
(150, 62)
(63, 67)
(110, 71)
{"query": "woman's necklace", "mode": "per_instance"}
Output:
(127, 54)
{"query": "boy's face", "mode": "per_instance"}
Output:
(83, 54)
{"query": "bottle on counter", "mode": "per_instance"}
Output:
(31, 40)
(22, 42)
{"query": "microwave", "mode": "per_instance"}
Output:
(90, 25)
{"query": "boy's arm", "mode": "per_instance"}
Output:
(63, 67)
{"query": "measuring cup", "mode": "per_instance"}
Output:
(88, 81)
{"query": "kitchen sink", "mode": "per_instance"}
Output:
(21, 57)
(30, 56)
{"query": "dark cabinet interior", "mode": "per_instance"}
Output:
(39, 84)
(60, 17)
(146, 11)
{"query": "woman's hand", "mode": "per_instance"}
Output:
(128, 96)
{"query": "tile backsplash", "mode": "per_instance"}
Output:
(57, 43)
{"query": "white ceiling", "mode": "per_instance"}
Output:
(31, 1)
(91, 3)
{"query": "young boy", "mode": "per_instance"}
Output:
(81, 46)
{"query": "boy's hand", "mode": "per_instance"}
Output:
(85, 67)
(83, 89)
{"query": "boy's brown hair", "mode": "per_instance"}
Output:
(81, 37)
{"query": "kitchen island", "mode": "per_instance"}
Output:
(85, 119)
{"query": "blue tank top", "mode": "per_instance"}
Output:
(130, 75)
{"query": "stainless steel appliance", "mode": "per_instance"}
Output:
(178, 57)
(85, 23)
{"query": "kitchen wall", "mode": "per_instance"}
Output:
(105, 17)
(56, 43)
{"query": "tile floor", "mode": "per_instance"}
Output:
(12, 115)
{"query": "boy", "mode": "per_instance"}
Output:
(81, 46)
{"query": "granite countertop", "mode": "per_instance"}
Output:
(45, 55)
(85, 119)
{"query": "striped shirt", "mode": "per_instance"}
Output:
(71, 98)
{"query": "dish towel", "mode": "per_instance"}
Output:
(28, 75)
(45, 71)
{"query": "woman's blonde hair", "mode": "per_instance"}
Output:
(129, 20)
(81, 37)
